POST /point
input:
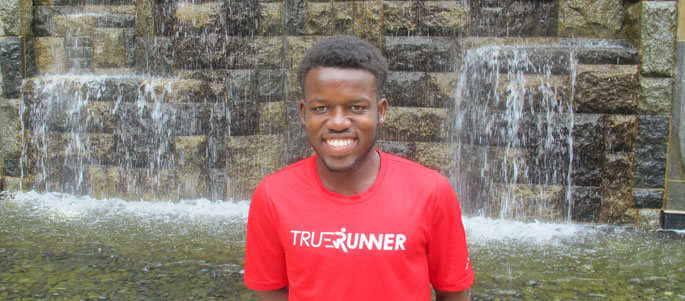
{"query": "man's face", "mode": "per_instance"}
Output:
(341, 113)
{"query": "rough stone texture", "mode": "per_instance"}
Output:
(319, 18)
(297, 146)
(620, 133)
(105, 10)
(79, 25)
(489, 18)
(12, 184)
(10, 128)
(11, 66)
(100, 117)
(597, 56)
(420, 53)
(649, 219)
(366, 23)
(109, 48)
(213, 55)
(617, 180)
(202, 16)
(145, 21)
(270, 85)
(533, 18)
(154, 56)
(436, 155)
(590, 18)
(242, 17)
(268, 52)
(343, 18)
(50, 55)
(405, 149)
(400, 18)
(651, 148)
(406, 89)
(175, 90)
(609, 89)
(132, 184)
(587, 202)
(15, 17)
(191, 167)
(295, 49)
(440, 18)
(656, 95)
(588, 149)
(252, 157)
(442, 88)
(415, 124)
(648, 198)
(163, 18)
(270, 19)
(272, 118)
(657, 38)
(528, 202)
(295, 17)
(12, 167)
(109, 20)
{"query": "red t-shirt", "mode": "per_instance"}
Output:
(387, 243)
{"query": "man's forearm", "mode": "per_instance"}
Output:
(453, 296)
(274, 295)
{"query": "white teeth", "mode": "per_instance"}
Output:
(338, 143)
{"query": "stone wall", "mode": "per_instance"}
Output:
(15, 39)
(222, 74)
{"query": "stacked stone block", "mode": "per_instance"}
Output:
(224, 76)
(15, 33)
(653, 28)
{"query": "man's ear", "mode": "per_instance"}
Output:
(382, 110)
(302, 111)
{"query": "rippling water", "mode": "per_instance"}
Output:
(58, 246)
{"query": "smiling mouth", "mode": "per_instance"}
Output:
(339, 143)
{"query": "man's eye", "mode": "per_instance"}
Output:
(357, 108)
(319, 109)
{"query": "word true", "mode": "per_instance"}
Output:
(349, 241)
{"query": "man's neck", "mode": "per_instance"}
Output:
(352, 182)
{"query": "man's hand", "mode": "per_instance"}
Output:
(280, 294)
(453, 296)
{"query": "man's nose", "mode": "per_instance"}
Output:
(339, 120)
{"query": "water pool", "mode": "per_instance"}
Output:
(57, 246)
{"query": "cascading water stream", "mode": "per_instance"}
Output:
(512, 125)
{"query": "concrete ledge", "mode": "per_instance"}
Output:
(673, 220)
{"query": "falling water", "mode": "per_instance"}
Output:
(512, 123)
(80, 127)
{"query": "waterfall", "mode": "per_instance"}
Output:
(512, 122)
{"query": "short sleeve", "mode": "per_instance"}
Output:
(448, 257)
(265, 267)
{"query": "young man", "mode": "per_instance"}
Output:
(351, 222)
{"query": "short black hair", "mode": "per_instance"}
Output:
(344, 51)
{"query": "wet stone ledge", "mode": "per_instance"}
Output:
(252, 157)
(415, 124)
(586, 203)
(651, 151)
(11, 66)
(646, 198)
(612, 89)
(436, 54)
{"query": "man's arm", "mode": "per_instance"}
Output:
(280, 294)
(453, 296)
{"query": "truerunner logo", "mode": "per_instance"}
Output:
(349, 241)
